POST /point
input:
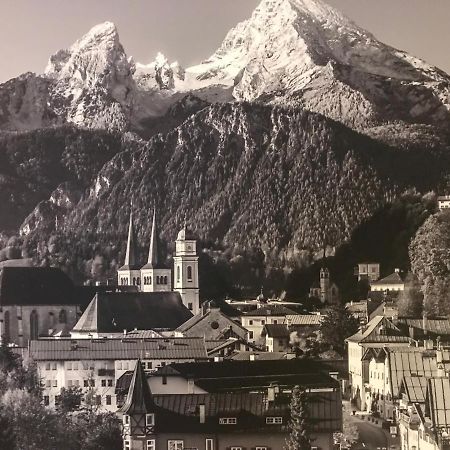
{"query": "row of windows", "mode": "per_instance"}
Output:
(159, 280)
(178, 444)
(98, 400)
(233, 420)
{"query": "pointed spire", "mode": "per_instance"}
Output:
(131, 254)
(139, 399)
(153, 250)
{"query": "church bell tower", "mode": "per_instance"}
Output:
(186, 270)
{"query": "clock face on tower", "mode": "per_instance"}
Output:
(189, 247)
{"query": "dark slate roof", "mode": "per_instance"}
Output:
(35, 286)
(439, 326)
(139, 399)
(276, 330)
(229, 375)
(111, 312)
(250, 409)
(271, 310)
(112, 349)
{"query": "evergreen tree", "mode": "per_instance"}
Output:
(299, 438)
(337, 326)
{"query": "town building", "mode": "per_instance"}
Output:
(369, 271)
(380, 332)
(34, 302)
(155, 276)
(393, 282)
(424, 413)
(276, 337)
(255, 320)
(247, 305)
(95, 365)
(444, 202)
(225, 420)
(304, 325)
(110, 313)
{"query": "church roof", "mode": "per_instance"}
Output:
(139, 399)
(35, 286)
(111, 312)
(154, 260)
(131, 262)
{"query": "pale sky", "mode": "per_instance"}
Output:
(190, 30)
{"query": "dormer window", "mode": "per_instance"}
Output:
(149, 420)
(126, 419)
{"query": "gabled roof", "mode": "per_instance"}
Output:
(114, 312)
(35, 286)
(407, 363)
(270, 310)
(131, 262)
(415, 388)
(276, 330)
(212, 325)
(113, 349)
(139, 399)
(393, 278)
(438, 396)
(370, 331)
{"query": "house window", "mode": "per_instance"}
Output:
(86, 383)
(47, 366)
(126, 419)
(178, 273)
(103, 383)
(126, 444)
(55, 383)
(54, 366)
(235, 448)
(260, 448)
(209, 444)
(48, 383)
(149, 365)
(98, 399)
(190, 306)
(189, 273)
(227, 421)
(175, 445)
(250, 334)
(151, 444)
(149, 420)
(46, 400)
(34, 325)
(164, 379)
(250, 322)
(63, 316)
(110, 383)
(274, 420)
(108, 400)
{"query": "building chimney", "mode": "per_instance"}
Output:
(397, 270)
(125, 332)
(202, 413)
(252, 357)
(429, 344)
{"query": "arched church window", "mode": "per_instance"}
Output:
(63, 316)
(189, 273)
(157, 280)
(149, 280)
(138, 281)
(34, 325)
(178, 273)
(134, 281)
(7, 332)
(165, 280)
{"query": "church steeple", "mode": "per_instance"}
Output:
(129, 274)
(153, 251)
(131, 253)
(155, 276)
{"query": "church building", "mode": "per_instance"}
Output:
(155, 276)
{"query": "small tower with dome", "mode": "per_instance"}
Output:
(186, 270)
